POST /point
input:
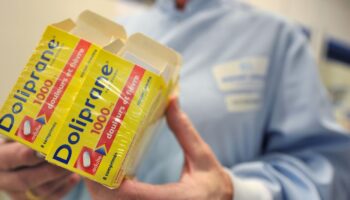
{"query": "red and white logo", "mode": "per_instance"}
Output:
(28, 129)
(88, 161)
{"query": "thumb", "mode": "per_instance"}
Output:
(193, 145)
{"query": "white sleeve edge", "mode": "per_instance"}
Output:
(249, 188)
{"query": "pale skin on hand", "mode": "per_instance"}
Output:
(22, 170)
(202, 177)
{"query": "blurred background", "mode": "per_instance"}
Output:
(324, 22)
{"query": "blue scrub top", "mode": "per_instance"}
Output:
(250, 85)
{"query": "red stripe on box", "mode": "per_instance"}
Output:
(121, 107)
(64, 79)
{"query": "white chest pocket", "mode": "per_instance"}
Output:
(242, 82)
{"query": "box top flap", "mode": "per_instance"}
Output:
(114, 47)
(94, 28)
(66, 25)
(138, 48)
(151, 55)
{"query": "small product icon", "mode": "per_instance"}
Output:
(29, 129)
(88, 160)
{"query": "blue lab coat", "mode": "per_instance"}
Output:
(251, 87)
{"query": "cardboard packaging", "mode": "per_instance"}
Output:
(90, 98)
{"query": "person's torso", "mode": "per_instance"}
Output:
(226, 48)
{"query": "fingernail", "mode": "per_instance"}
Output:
(4, 139)
(39, 155)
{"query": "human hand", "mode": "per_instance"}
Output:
(202, 177)
(23, 175)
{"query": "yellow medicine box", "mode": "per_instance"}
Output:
(90, 98)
